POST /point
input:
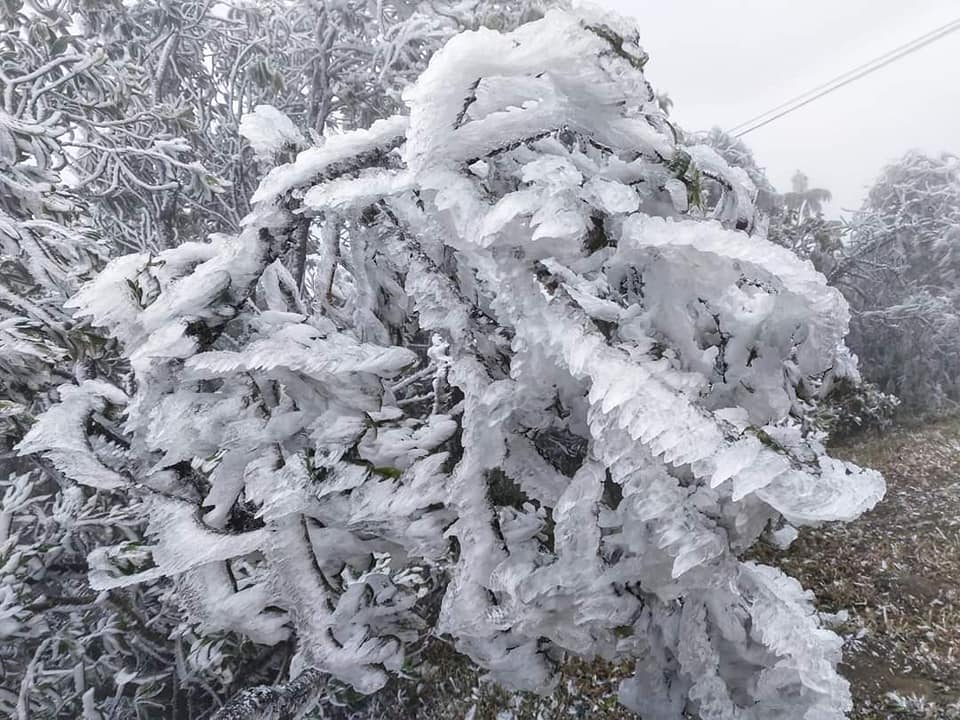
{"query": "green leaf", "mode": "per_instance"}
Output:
(616, 43)
(387, 471)
(623, 631)
(767, 440)
(61, 45)
(679, 163)
(694, 189)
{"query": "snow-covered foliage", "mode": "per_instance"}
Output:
(796, 221)
(57, 640)
(155, 143)
(903, 275)
(531, 356)
(45, 251)
(769, 203)
(121, 138)
(270, 132)
(64, 647)
(855, 406)
(119, 131)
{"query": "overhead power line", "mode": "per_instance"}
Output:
(930, 36)
(799, 101)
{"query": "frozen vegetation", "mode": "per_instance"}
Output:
(454, 336)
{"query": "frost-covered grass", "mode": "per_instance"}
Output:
(448, 687)
(896, 571)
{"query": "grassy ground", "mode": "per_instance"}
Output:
(894, 573)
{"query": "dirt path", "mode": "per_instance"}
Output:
(896, 571)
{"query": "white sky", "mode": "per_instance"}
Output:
(724, 61)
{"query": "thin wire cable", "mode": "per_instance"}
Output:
(828, 88)
(843, 76)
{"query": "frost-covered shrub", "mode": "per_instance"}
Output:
(69, 651)
(56, 642)
(854, 407)
(530, 356)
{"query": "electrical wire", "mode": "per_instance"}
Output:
(847, 74)
(844, 79)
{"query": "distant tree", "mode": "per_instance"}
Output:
(798, 223)
(804, 200)
(533, 368)
(909, 225)
(901, 273)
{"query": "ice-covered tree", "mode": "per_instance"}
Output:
(532, 360)
(59, 641)
(901, 274)
(157, 140)
(118, 130)
(121, 138)
(804, 200)
(795, 220)
(910, 222)
(50, 627)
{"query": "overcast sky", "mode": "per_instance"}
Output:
(724, 62)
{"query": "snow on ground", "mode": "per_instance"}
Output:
(896, 573)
